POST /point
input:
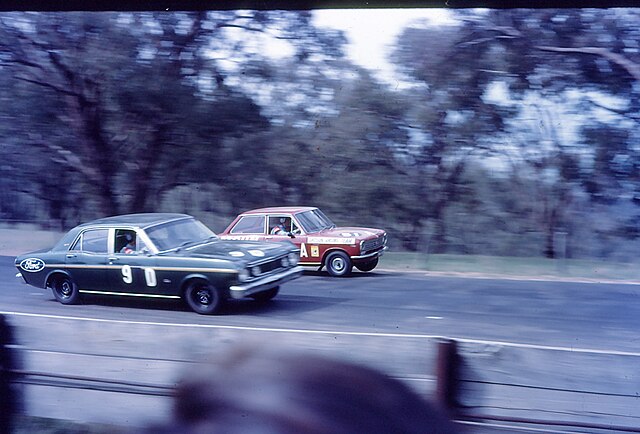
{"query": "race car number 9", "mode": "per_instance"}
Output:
(149, 275)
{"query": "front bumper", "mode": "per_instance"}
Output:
(268, 282)
(370, 256)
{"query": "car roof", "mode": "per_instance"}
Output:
(281, 209)
(139, 220)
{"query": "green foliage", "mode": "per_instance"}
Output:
(105, 113)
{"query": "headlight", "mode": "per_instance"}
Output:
(293, 259)
(256, 270)
(284, 261)
(243, 275)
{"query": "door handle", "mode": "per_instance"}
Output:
(113, 259)
(71, 255)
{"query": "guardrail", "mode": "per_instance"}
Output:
(476, 382)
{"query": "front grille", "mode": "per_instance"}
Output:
(271, 265)
(373, 244)
(267, 267)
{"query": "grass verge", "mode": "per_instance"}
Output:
(512, 267)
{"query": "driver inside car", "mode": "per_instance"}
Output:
(280, 228)
(130, 247)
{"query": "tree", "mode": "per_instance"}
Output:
(546, 54)
(139, 94)
(591, 53)
(450, 115)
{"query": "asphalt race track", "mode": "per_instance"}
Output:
(591, 315)
(565, 342)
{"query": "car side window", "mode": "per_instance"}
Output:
(127, 241)
(279, 225)
(250, 224)
(94, 241)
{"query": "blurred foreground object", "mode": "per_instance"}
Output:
(271, 391)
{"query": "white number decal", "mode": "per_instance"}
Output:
(150, 276)
(127, 276)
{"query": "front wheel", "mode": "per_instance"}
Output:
(266, 295)
(367, 266)
(338, 264)
(203, 298)
(65, 290)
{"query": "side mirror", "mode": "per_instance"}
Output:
(291, 235)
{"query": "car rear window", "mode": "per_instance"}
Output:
(95, 241)
(250, 224)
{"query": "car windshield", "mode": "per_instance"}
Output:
(314, 221)
(180, 233)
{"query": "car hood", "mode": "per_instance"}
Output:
(349, 232)
(240, 250)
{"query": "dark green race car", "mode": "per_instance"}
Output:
(159, 256)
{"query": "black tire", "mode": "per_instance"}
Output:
(367, 266)
(267, 295)
(203, 298)
(65, 290)
(338, 264)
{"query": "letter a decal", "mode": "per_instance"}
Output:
(303, 251)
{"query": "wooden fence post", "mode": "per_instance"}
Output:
(8, 395)
(447, 369)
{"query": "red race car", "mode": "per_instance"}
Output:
(321, 243)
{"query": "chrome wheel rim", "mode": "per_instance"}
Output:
(203, 296)
(338, 264)
(65, 289)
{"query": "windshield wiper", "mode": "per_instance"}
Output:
(184, 244)
(204, 240)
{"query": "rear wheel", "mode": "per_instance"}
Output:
(203, 298)
(338, 264)
(65, 290)
(266, 295)
(367, 266)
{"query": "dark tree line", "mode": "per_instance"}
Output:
(516, 133)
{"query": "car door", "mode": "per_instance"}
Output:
(85, 260)
(130, 267)
(295, 235)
